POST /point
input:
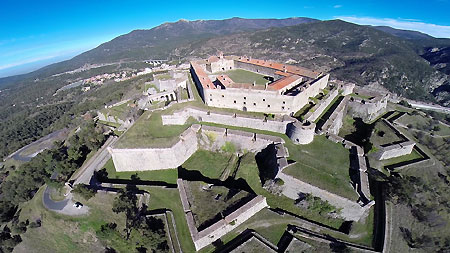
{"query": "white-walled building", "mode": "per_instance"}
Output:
(289, 92)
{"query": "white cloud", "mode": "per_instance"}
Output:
(337, 6)
(438, 31)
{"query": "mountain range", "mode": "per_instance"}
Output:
(412, 64)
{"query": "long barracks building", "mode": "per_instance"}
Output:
(287, 90)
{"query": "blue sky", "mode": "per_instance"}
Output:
(37, 33)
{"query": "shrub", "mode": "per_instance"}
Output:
(228, 147)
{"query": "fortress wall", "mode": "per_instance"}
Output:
(318, 109)
(230, 222)
(253, 100)
(314, 88)
(180, 117)
(368, 110)
(155, 158)
(335, 121)
(404, 148)
(197, 83)
(109, 118)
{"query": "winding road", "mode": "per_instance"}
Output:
(82, 176)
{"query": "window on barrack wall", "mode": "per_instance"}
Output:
(254, 104)
(245, 103)
(282, 108)
(264, 99)
(210, 99)
(268, 106)
(245, 97)
(223, 96)
(284, 102)
(235, 101)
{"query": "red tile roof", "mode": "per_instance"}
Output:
(202, 76)
(225, 80)
(283, 82)
(294, 70)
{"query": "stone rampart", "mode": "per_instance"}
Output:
(335, 121)
(396, 150)
(181, 116)
(211, 138)
(369, 109)
(141, 159)
(318, 109)
(109, 118)
(228, 223)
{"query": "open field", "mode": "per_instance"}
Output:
(420, 122)
(60, 233)
(169, 176)
(244, 76)
(324, 164)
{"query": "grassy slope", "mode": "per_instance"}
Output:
(210, 164)
(168, 176)
(60, 233)
(324, 164)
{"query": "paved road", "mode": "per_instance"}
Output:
(45, 142)
(429, 106)
(85, 173)
(64, 206)
(82, 176)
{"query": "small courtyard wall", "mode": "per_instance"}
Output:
(255, 68)
(181, 116)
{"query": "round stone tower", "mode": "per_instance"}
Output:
(301, 132)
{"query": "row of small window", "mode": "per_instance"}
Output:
(268, 106)
(264, 100)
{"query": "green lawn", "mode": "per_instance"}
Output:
(414, 155)
(383, 134)
(148, 132)
(324, 164)
(244, 76)
(210, 164)
(347, 126)
(169, 176)
(205, 204)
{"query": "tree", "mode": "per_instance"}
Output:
(126, 202)
(84, 191)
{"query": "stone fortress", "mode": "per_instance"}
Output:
(288, 89)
